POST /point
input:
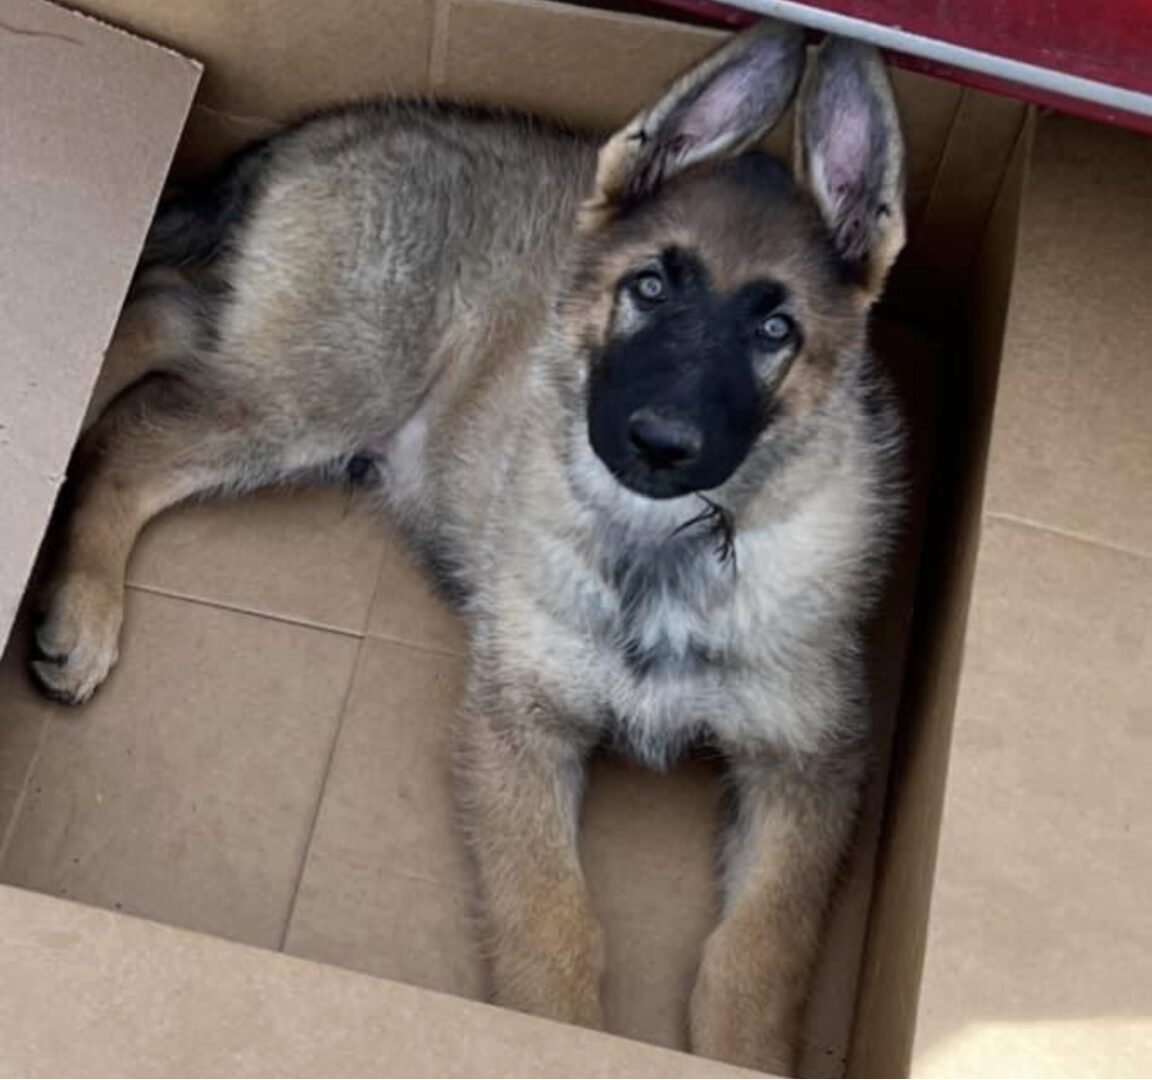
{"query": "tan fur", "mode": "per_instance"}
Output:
(790, 828)
(428, 290)
(546, 949)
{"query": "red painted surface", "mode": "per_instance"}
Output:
(1106, 40)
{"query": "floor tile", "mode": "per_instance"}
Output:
(23, 721)
(186, 789)
(307, 554)
(387, 888)
(647, 846)
(370, 918)
(405, 607)
(386, 870)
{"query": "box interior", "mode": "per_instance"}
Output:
(267, 763)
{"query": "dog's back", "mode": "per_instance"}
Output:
(364, 251)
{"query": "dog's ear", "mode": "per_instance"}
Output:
(716, 110)
(850, 154)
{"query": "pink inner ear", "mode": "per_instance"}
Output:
(841, 129)
(847, 152)
(738, 101)
(729, 103)
(847, 146)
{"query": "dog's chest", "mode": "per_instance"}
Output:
(670, 643)
(668, 625)
(669, 653)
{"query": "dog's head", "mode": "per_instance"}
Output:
(717, 294)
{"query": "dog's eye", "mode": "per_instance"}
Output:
(649, 287)
(776, 329)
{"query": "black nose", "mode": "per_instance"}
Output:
(664, 441)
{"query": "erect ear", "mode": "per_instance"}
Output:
(717, 109)
(850, 154)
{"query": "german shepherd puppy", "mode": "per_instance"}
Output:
(623, 406)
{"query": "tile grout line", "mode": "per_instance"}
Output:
(323, 790)
(223, 605)
(323, 628)
(22, 797)
(435, 650)
(290, 914)
(1067, 534)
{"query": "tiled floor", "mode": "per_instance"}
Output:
(186, 791)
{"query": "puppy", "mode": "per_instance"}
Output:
(620, 399)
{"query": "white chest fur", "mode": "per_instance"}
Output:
(671, 644)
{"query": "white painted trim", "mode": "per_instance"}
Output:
(959, 56)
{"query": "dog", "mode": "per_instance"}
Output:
(619, 396)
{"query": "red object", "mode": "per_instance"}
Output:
(1109, 41)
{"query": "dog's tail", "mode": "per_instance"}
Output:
(194, 226)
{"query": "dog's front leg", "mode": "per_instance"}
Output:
(793, 817)
(519, 780)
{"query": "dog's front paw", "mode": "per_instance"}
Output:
(740, 1013)
(76, 643)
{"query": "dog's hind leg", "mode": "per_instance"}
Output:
(160, 327)
(161, 441)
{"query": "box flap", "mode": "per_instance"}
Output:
(109, 995)
(89, 118)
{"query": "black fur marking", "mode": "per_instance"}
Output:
(359, 470)
(760, 175)
(445, 575)
(194, 227)
(685, 268)
(646, 663)
(691, 359)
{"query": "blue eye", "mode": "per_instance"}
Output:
(776, 329)
(649, 287)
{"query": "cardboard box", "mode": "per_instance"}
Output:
(266, 767)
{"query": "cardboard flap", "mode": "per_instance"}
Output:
(109, 995)
(89, 118)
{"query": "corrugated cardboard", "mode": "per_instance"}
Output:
(886, 1007)
(268, 762)
(1039, 945)
(90, 120)
(92, 994)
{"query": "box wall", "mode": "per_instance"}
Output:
(1038, 943)
(886, 1007)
